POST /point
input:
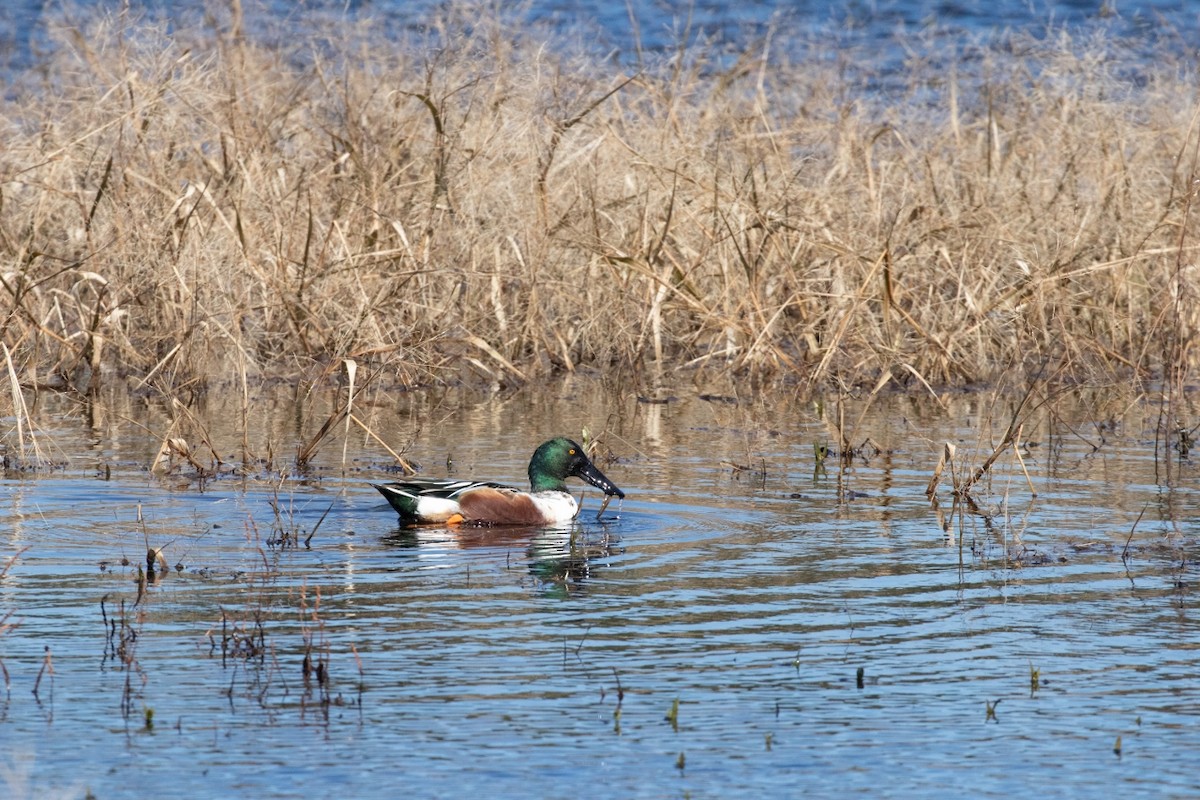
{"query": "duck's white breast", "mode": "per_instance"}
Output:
(557, 506)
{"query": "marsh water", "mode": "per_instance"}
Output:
(748, 621)
(882, 34)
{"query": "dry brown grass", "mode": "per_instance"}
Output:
(193, 208)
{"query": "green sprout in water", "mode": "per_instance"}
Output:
(148, 713)
(770, 737)
(673, 715)
(1034, 679)
(680, 762)
(991, 710)
(820, 453)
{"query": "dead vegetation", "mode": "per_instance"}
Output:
(186, 208)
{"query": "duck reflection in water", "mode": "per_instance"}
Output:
(561, 558)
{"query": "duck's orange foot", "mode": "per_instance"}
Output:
(456, 519)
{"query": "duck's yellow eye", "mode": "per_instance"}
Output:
(572, 451)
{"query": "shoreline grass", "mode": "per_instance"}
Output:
(179, 209)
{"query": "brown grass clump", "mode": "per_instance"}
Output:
(179, 209)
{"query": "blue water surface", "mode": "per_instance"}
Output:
(747, 623)
(879, 30)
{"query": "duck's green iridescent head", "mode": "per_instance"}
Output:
(561, 458)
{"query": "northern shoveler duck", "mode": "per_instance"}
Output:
(549, 502)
